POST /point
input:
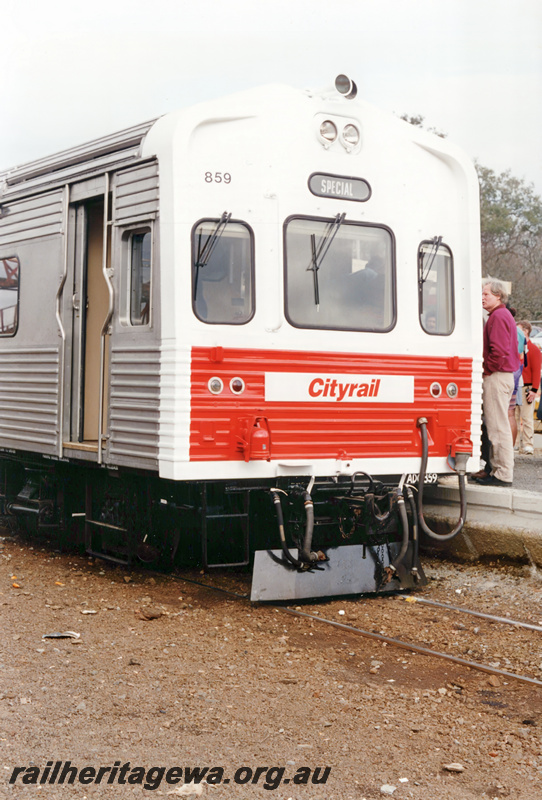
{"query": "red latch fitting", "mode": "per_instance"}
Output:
(255, 440)
(260, 441)
(461, 444)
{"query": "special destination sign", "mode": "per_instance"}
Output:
(346, 188)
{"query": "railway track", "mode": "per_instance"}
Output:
(411, 646)
(414, 644)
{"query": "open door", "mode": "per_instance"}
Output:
(91, 310)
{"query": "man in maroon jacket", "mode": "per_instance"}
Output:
(531, 383)
(501, 360)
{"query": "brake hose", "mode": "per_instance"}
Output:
(308, 557)
(401, 507)
(280, 519)
(412, 504)
(422, 424)
(306, 554)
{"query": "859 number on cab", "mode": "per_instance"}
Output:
(217, 177)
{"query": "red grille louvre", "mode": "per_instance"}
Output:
(351, 428)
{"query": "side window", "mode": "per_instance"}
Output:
(9, 296)
(223, 271)
(436, 287)
(140, 276)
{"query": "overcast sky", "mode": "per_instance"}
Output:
(74, 71)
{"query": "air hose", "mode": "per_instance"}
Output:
(306, 554)
(461, 470)
(401, 507)
(308, 558)
(415, 541)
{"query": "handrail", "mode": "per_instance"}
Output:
(105, 326)
(62, 357)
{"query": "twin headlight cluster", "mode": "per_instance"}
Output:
(347, 134)
(216, 385)
(452, 389)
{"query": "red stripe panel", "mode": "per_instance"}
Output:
(314, 430)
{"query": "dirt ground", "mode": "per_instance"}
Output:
(166, 674)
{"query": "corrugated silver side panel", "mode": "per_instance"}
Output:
(89, 158)
(29, 391)
(134, 404)
(32, 217)
(136, 192)
(175, 410)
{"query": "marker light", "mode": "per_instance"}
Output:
(452, 390)
(351, 135)
(237, 385)
(215, 385)
(435, 389)
(328, 130)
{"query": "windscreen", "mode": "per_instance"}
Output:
(339, 275)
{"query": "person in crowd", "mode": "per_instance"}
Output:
(485, 454)
(516, 398)
(485, 446)
(501, 360)
(531, 384)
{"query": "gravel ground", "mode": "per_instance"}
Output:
(168, 674)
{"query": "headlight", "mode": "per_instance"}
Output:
(351, 135)
(328, 130)
(215, 385)
(237, 385)
(452, 390)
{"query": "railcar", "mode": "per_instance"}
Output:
(244, 333)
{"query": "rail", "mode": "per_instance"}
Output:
(390, 640)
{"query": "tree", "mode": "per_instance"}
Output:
(418, 121)
(511, 220)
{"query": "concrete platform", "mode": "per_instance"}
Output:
(501, 522)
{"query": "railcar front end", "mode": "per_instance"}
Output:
(265, 339)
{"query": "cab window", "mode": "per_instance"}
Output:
(223, 271)
(436, 287)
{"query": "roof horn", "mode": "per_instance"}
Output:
(346, 87)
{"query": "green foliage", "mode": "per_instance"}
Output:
(511, 221)
(418, 122)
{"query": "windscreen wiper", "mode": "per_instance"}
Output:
(205, 248)
(436, 242)
(318, 252)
